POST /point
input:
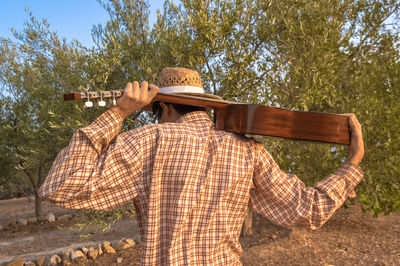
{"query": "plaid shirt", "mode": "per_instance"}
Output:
(190, 184)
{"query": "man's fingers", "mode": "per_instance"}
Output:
(131, 89)
(148, 91)
(128, 88)
(143, 88)
(347, 114)
(139, 95)
(152, 91)
(144, 84)
(350, 116)
(135, 90)
(353, 121)
(135, 97)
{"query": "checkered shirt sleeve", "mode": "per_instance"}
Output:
(93, 171)
(285, 200)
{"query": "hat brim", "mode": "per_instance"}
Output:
(196, 95)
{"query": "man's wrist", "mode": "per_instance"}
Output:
(354, 159)
(119, 111)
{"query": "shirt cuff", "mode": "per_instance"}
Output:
(103, 130)
(353, 173)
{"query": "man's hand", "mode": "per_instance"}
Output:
(135, 98)
(356, 147)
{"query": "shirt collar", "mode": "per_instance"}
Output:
(192, 117)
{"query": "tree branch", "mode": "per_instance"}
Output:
(30, 177)
(39, 175)
(212, 75)
(367, 35)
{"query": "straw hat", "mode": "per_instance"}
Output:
(184, 81)
(179, 80)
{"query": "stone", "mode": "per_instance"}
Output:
(50, 217)
(13, 223)
(64, 218)
(66, 254)
(85, 250)
(130, 241)
(119, 260)
(77, 255)
(100, 250)
(120, 245)
(124, 243)
(41, 219)
(32, 220)
(108, 248)
(29, 263)
(40, 260)
(23, 221)
(92, 254)
(16, 262)
(55, 259)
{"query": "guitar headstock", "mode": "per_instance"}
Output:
(99, 97)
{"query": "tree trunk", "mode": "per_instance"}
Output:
(247, 228)
(38, 201)
(38, 204)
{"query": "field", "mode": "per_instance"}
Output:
(350, 237)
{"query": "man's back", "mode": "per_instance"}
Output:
(195, 191)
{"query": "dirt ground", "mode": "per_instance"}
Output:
(350, 237)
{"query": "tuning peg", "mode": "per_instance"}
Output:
(88, 103)
(114, 101)
(101, 103)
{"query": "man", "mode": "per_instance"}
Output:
(190, 183)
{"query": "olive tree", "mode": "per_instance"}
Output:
(35, 123)
(323, 56)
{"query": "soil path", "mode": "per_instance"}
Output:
(32, 241)
(13, 209)
(350, 237)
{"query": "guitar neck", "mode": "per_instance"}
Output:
(176, 98)
(90, 95)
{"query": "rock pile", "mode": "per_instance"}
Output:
(49, 218)
(81, 255)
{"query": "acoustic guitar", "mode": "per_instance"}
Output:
(249, 118)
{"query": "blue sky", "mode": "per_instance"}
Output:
(72, 19)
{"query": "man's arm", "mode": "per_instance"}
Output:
(356, 147)
(285, 200)
(135, 98)
(93, 171)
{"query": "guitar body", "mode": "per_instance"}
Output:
(279, 122)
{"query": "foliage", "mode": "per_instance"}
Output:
(90, 221)
(325, 56)
(36, 123)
